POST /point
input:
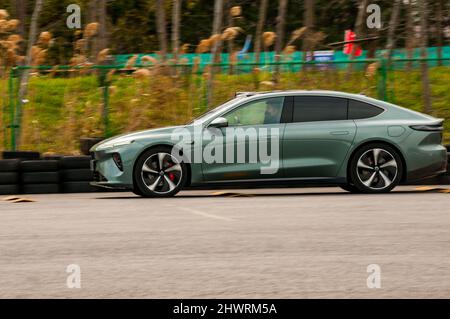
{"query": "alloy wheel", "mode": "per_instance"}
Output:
(377, 169)
(161, 173)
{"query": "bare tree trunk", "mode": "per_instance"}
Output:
(426, 92)
(439, 29)
(216, 29)
(393, 22)
(102, 33)
(230, 42)
(161, 28)
(26, 73)
(359, 27)
(176, 4)
(259, 28)
(21, 13)
(92, 43)
(308, 18)
(281, 20)
(359, 24)
(410, 36)
(92, 12)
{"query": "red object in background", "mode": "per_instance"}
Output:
(349, 47)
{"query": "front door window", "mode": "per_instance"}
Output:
(259, 112)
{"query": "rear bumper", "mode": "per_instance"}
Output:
(437, 165)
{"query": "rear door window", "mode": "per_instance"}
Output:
(360, 110)
(319, 108)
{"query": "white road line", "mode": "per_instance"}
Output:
(200, 213)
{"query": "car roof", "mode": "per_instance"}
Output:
(360, 97)
(301, 92)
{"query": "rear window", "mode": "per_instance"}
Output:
(360, 110)
(319, 108)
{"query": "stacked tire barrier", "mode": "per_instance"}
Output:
(9, 176)
(76, 174)
(28, 173)
(21, 155)
(40, 176)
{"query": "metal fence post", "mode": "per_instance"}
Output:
(106, 109)
(382, 80)
(103, 81)
(12, 125)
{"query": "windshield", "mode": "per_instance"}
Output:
(215, 110)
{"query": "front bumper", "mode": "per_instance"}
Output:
(107, 173)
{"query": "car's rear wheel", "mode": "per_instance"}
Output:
(158, 173)
(376, 168)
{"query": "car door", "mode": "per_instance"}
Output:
(319, 137)
(251, 144)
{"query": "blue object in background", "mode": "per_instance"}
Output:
(269, 57)
(246, 47)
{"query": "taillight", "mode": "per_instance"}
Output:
(428, 128)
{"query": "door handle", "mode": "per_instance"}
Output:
(340, 133)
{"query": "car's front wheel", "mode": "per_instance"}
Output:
(158, 173)
(376, 168)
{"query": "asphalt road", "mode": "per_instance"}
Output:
(282, 243)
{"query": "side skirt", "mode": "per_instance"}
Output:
(268, 183)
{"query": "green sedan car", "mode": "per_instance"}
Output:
(278, 138)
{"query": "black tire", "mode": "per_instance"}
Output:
(350, 188)
(378, 185)
(40, 166)
(41, 188)
(77, 175)
(142, 189)
(40, 177)
(23, 155)
(52, 157)
(9, 165)
(75, 162)
(136, 191)
(9, 189)
(78, 187)
(7, 178)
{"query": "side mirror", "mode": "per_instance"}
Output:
(219, 122)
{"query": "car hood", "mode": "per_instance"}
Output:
(137, 136)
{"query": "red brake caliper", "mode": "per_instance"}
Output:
(171, 175)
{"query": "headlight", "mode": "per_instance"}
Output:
(123, 143)
(110, 145)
